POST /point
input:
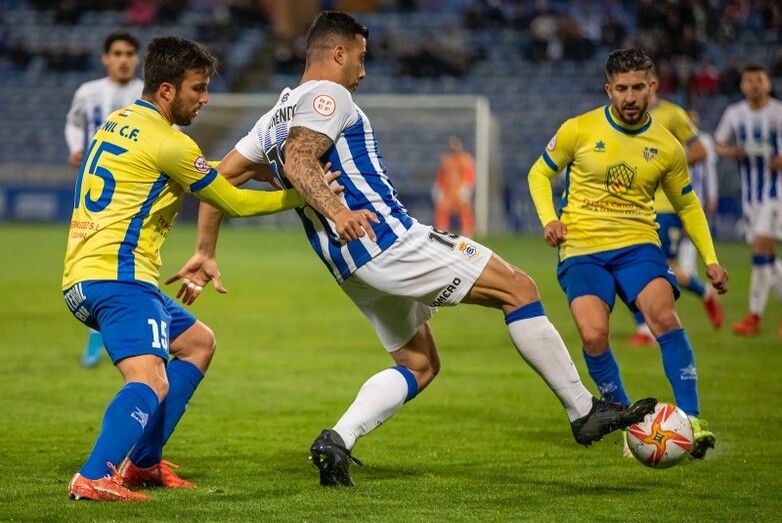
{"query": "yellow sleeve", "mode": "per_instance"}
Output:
(559, 153)
(677, 186)
(682, 127)
(243, 202)
(180, 158)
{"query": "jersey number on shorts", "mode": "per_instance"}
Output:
(103, 200)
(159, 334)
(443, 238)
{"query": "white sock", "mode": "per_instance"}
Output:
(687, 257)
(378, 399)
(542, 348)
(778, 278)
(643, 328)
(759, 286)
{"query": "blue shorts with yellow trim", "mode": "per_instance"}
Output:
(133, 317)
(624, 272)
(671, 232)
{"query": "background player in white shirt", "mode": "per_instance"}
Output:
(396, 270)
(92, 102)
(750, 132)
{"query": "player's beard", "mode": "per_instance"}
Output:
(179, 112)
(634, 117)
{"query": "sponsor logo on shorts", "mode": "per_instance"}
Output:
(447, 292)
(201, 165)
(467, 248)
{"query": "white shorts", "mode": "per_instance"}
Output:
(399, 290)
(763, 219)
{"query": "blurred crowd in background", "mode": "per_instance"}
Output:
(675, 32)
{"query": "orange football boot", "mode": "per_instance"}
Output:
(641, 339)
(158, 475)
(713, 310)
(109, 488)
(749, 326)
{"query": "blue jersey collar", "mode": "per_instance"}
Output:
(622, 129)
(146, 104)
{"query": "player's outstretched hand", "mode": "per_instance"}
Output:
(352, 225)
(331, 177)
(554, 232)
(718, 277)
(195, 275)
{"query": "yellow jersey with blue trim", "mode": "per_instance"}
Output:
(128, 191)
(678, 123)
(611, 173)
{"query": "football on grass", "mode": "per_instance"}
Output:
(663, 438)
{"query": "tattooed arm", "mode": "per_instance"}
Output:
(303, 150)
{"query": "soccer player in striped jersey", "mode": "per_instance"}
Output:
(92, 102)
(671, 232)
(615, 157)
(750, 132)
(131, 184)
(396, 270)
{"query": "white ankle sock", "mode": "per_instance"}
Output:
(377, 400)
(760, 283)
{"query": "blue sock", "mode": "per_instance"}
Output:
(696, 286)
(183, 378)
(605, 372)
(123, 423)
(94, 342)
(679, 365)
(639, 318)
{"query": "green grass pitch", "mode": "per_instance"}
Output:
(487, 441)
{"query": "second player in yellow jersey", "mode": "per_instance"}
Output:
(614, 158)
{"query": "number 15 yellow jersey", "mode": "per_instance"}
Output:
(128, 192)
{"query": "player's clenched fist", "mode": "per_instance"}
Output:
(718, 277)
(351, 225)
(554, 232)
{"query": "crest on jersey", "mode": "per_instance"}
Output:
(649, 153)
(619, 178)
(600, 146)
(552, 143)
(201, 165)
(324, 105)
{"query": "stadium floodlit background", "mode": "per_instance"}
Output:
(537, 63)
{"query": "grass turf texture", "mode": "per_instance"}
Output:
(486, 441)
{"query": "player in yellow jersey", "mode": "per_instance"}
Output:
(615, 157)
(671, 233)
(130, 186)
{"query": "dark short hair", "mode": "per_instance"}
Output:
(330, 26)
(626, 60)
(754, 68)
(169, 58)
(120, 37)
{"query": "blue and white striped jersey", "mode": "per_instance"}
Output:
(760, 134)
(703, 175)
(92, 103)
(328, 108)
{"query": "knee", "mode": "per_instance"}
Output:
(522, 288)
(159, 384)
(203, 348)
(661, 322)
(594, 339)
